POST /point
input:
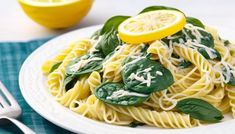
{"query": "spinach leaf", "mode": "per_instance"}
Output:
(185, 64)
(88, 63)
(199, 109)
(70, 81)
(143, 51)
(153, 8)
(195, 22)
(226, 42)
(152, 76)
(206, 39)
(206, 55)
(175, 38)
(55, 66)
(117, 94)
(232, 81)
(135, 124)
(96, 34)
(108, 42)
(187, 34)
(112, 24)
(232, 77)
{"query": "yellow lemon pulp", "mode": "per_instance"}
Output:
(153, 25)
(56, 13)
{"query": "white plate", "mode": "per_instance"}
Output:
(34, 89)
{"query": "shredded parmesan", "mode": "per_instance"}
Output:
(195, 31)
(225, 71)
(95, 43)
(82, 63)
(195, 45)
(119, 49)
(122, 93)
(159, 73)
(134, 61)
(141, 79)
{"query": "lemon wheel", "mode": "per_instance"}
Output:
(149, 26)
(56, 13)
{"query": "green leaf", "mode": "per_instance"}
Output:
(96, 34)
(199, 109)
(232, 81)
(153, 8)
(195, 22)
(207, 39)
(226, 42)
(175, 38)
(232, 77)
(88, 67)
(143, 51)
(55, 66)
(108, 42)
(117, 94)
(70, 81)
(158, 82)
(135, 124)
(185, 64)
(187, 34)
(112, 24)
(203, 52)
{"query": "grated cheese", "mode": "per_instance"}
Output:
(196, 45)
(82, 63)
(96, 42)
(141, 79)
(195, 31)
(134, 61)
(224, 76)
(159, 73)
(122, 93)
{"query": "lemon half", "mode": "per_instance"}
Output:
(56, 13)
(149, 26)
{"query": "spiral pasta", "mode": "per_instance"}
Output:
(112, 68)
(94, 80)
(47, 65)
(55, 79)
(231, 96)
(81, 90)
(95, 109)
(159, 119)
(173, 82)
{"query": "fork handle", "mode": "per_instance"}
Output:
(20, 125)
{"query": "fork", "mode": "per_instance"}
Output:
(10, 109)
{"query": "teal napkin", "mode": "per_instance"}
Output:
(12, 56)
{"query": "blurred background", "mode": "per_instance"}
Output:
(16, 26)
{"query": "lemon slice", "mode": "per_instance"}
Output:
(56, 13)
(153, 25)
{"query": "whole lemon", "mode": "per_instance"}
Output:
(56, 13)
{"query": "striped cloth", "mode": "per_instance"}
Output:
(12, 55)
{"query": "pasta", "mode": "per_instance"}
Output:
(55, 79)
(95, 109)
(159, 119)
(168, 82)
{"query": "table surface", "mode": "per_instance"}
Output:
(16, 26)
